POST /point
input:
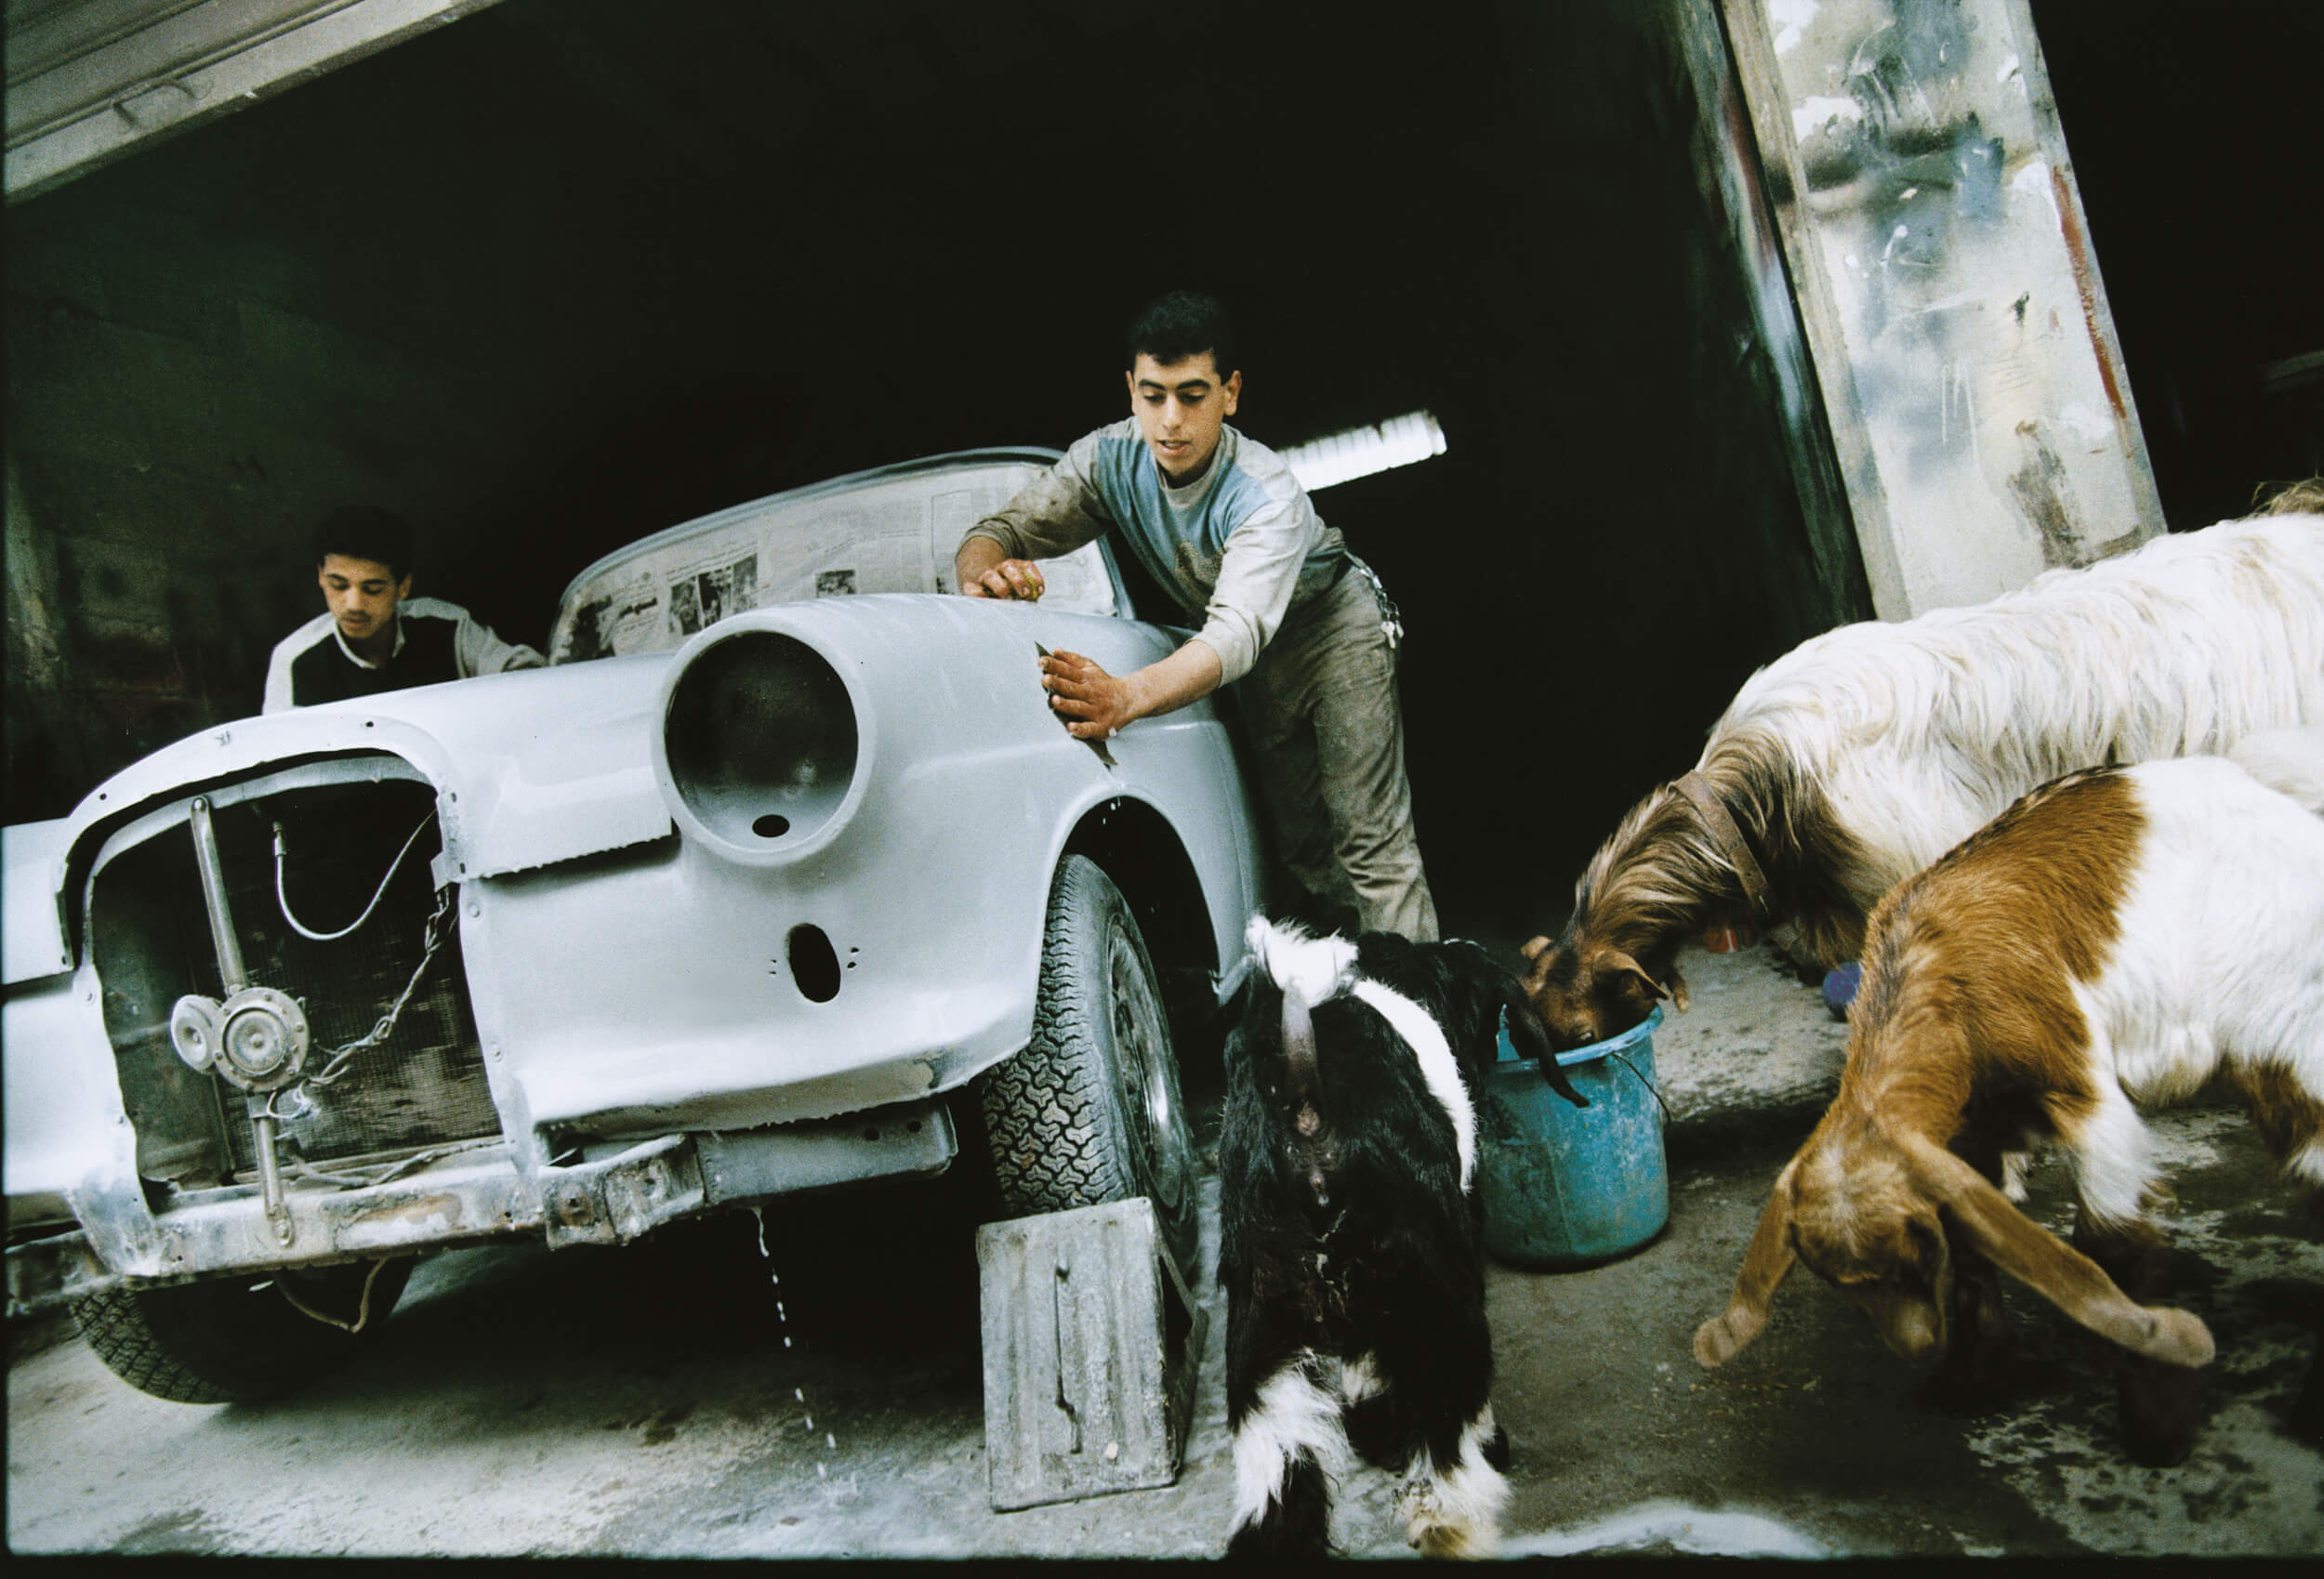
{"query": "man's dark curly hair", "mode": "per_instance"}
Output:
(366, 531)
(1171, 328)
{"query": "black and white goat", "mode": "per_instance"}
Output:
(1351, 1248)
(1862, 754)
(2115, 937)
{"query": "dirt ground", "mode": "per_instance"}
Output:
(674, 1399)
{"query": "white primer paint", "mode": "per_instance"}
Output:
(1820, 110)
(2034, 180)
(1792, 19)
(2085, 424)
(1698, 1532)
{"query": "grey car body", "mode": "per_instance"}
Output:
(742, 904)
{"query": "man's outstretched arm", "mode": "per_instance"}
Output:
(1096, 705)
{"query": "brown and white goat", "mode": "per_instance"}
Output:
(1861, 755)
(2116, 937)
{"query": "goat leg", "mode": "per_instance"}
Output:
(2306, 1420)
(1297, 1521)
(1290, 1439)
(2161, 1404)
(1981, 1363)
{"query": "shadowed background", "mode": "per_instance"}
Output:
(563, 274)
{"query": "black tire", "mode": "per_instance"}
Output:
(1090, 1112)
(237, 1340)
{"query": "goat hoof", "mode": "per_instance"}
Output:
(2159, 1452)
(1976, 1384)
(2306, 1420)
(1451, 1541)
(1273, 1543)
(2162, 1410)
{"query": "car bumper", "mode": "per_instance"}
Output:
(477, 1194)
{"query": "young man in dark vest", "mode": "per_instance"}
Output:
(374, 635)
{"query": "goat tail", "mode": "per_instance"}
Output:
(1299, 1054)
(2061, 1274)
(1299, 1024)
(1765, 1265)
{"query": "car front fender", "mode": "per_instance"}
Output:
(677, 988)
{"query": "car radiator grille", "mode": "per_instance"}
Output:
(423, 1085)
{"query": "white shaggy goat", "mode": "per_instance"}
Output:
(1350, 1250)
(2116, 937)
(1863, 753)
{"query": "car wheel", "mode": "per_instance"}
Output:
(238, 1340)
(1090, 1111)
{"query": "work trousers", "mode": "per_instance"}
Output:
(1320, 711)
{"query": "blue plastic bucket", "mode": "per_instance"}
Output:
(1564, 1186)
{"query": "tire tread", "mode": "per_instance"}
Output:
(192, 1343)
(1054, 1138)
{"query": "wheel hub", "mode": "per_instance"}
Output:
(1148, 1081)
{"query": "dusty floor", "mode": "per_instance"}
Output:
(658, 1403)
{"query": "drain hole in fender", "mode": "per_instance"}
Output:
(814, 964)
(771, 826)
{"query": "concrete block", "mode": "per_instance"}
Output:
(1092, 1342)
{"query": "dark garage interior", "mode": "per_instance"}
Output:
(569, 271)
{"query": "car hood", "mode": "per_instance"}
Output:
(541, 766)
(532, 766)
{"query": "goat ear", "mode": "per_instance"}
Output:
(1678, 990)
(1765, 1264)
(1622, 966)
(1934, 1253)
(2061, 1274)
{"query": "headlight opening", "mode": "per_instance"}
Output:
(761, 743)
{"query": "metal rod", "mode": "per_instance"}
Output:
(270, 1173)
(229, 948)
(235, 979)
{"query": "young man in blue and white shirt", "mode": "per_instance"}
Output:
(374, 636)
(1283, 608)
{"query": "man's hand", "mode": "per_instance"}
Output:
(1095, 704)
(984, 573)
(1011, 578)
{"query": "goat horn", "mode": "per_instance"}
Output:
(1764, 1265)
(1716, 821)
(1524, 1025)
(2057, 1271)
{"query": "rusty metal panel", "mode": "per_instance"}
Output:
(1967, 357)
(914, 1138)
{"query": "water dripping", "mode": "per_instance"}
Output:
(782, 1323)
